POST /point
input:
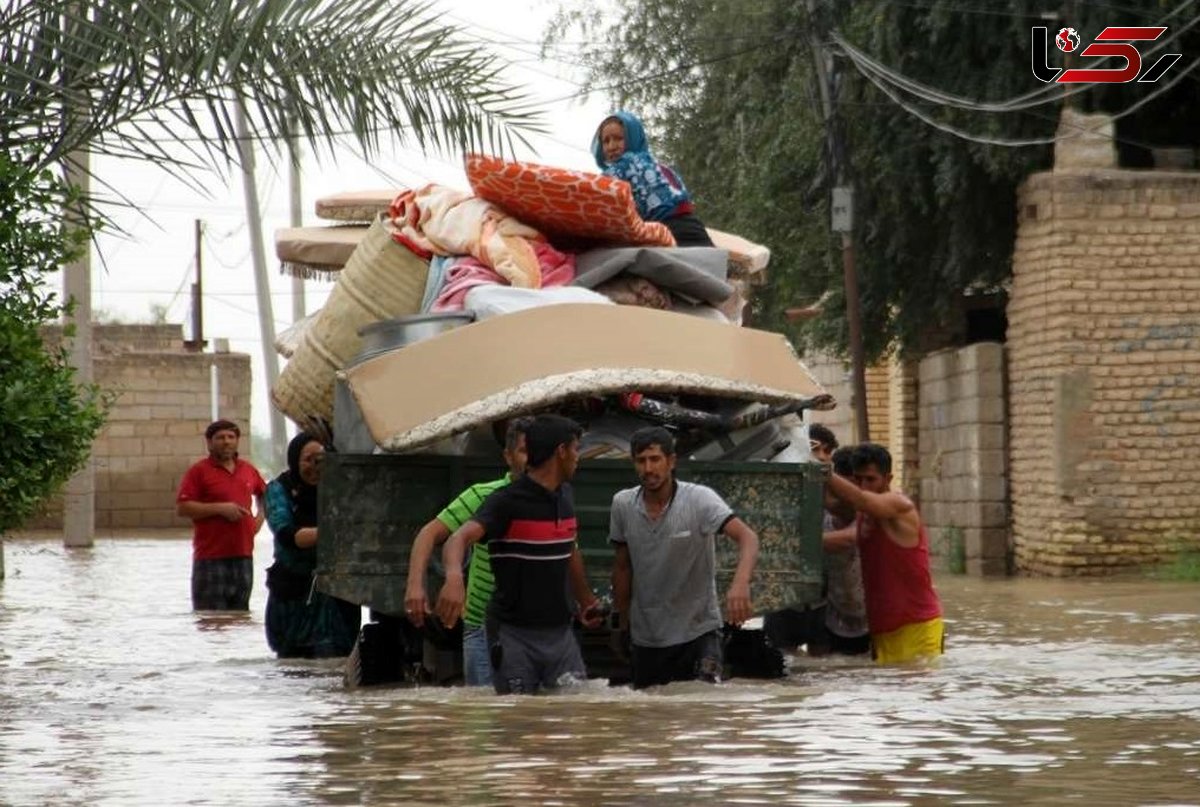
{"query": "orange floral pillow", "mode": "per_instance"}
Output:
(559, 201)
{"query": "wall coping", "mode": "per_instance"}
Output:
(1111, 178)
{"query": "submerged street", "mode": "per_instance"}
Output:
(113, 692)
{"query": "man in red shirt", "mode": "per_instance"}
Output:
(903, 611)
(217, 493)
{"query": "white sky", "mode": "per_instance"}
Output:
(153, 263)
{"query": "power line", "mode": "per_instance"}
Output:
(888, 81)
(1038, 97)
(998, 141)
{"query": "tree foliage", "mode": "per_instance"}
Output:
(729, 92)
(134, 77)
(47, 420)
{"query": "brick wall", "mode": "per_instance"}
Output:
(156, 427)
(902, 434)
(963, 458)
(1104, 368)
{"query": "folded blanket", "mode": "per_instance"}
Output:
(491, 300)
(554, 269)
(695, 274)
(437, 220)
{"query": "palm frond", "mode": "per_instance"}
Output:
(104, 76)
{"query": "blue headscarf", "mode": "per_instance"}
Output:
(635, 136)
(657, 192)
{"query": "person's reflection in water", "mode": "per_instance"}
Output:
(207, 621)
(302, 622)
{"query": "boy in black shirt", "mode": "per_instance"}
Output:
(529, 527)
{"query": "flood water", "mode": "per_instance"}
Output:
(113, 692)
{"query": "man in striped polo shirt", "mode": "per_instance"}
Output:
(529, 528)
(477, 667)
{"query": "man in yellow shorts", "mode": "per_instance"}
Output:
(903, 610)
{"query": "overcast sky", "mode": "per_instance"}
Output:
(153, 263)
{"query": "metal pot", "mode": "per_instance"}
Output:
(391, 334)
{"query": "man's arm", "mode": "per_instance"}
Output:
(582, 590)
(416, 603)
(453, 594)
(260, 499)
(840, 540)
(737, 602)
(197, 510)
(882, 506)
(893, 509)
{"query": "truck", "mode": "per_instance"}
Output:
(412, 426)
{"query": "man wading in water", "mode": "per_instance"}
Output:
(664, 587)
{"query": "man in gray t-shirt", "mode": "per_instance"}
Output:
(663, 533)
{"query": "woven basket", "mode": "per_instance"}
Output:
(381, 280)
(287, 340)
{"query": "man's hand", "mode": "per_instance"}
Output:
(231, 511)
(737, 604)
(450, 600)
(592, 614)
(416, 605)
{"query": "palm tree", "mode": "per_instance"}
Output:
(139, 78)
(164, 81)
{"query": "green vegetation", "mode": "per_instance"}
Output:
(47, 420)
(1185, 568)
(159, 80)
(953, 550)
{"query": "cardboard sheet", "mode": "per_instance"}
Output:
(532, 359)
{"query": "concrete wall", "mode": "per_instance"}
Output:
(891, 409)
(1104, 366)
(156, 427)
(963, 458)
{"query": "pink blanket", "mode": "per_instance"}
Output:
(557, 269)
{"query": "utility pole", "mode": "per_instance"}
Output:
(79, 494)
(196, 343)
(262, 283)
(296, 220)
(842, 220)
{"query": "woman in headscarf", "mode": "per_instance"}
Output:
(302, 622)
(622, 151)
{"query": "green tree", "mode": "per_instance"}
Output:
(159, 81)
(47, 420)
(729, 92)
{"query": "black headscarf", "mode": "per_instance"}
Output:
(302, 494)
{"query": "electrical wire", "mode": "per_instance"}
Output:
(1037, 141)
(1039, 97)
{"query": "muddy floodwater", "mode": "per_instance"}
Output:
(112, 692)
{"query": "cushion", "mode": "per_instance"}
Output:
(356, 205)
(562, 202)
(746, 257)
(308, 251)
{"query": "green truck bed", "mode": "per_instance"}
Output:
(372, 505)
